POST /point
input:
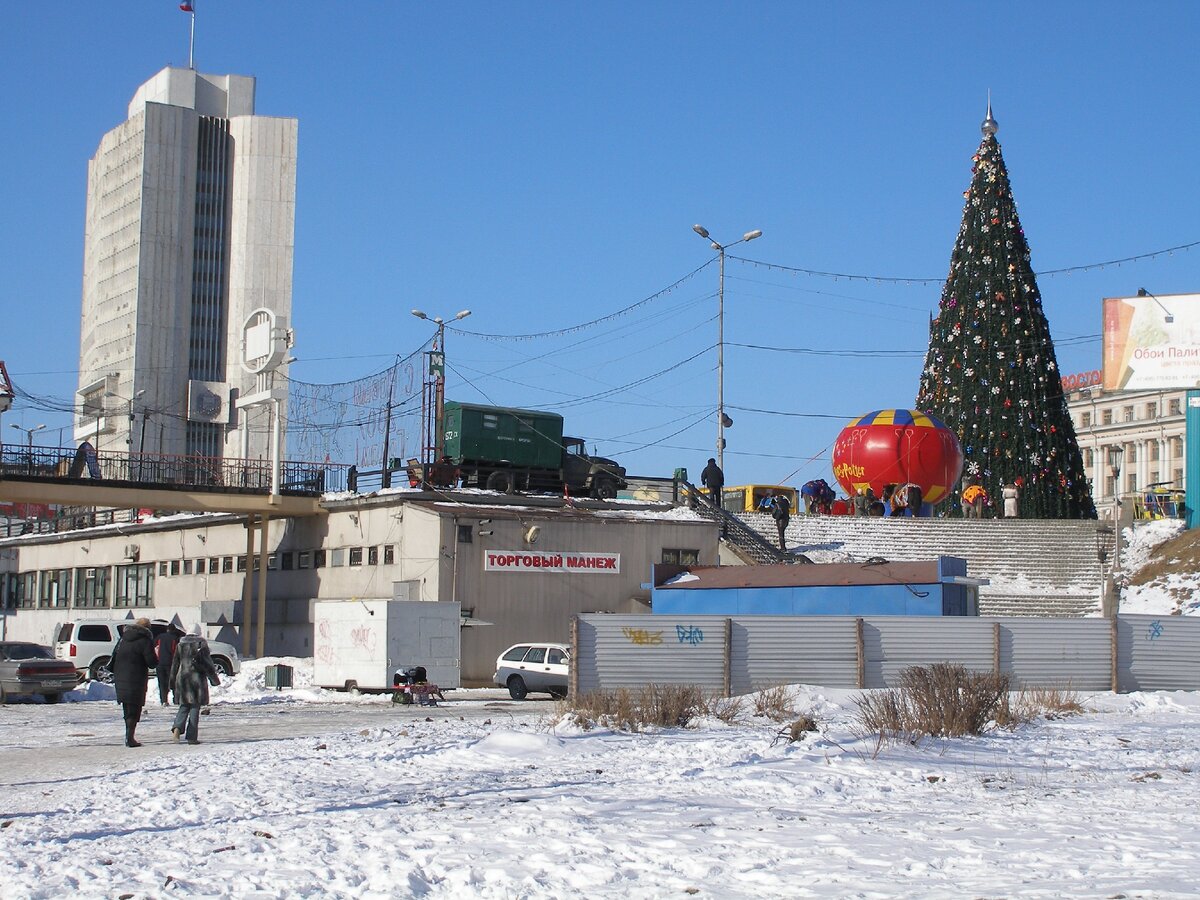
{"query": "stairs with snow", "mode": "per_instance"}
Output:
(1036, 567)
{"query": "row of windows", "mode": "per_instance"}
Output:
(1128, 413)
(1130, 454)
(93, 587)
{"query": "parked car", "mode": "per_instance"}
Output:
(89, 643)
(540, 668)
(27, 669)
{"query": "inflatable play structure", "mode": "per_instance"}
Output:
(898, 446)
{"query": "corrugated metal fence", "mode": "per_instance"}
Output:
(746, 653)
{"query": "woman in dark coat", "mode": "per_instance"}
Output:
(192, 671)
(133, 660)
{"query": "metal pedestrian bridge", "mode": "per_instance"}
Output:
(82, 477)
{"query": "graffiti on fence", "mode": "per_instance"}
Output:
(689, 634)
(641, 636)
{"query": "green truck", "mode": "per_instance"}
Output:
(504, 449)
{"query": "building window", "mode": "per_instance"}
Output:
(1127, 413)
(1131, 483)
(337, 558)
(1175, 407)
(681, 557)
(304, 559)
(1131, 453)
(464, 534)
(1089, 457)
(1154, 476)
(56, 589)
(1151, 410)
(25, 595)
(272, 562)
(162, 569)
(187, 567)
(227, 564)
(1176, 448)
(318, 559)
(1085, 420)
(1110, 486)
(356, 556)
(174, 567)
(135, 585)
(287, 560)
(1154, 452)
(1179, 478)
(372, 556)
(1106, 417)
(389, 555)
(91, 588)
(241, 563)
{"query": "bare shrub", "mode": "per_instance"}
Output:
(655, 705)
(725, 709)
(775, 703)
(797, 729)
(1053, 703)
(943, 700)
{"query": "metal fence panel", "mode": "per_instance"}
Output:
(894, 643)
(770, 650)
(1075, 653)
(1159, 653)
(635, 650)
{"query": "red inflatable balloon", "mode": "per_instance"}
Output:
(896, 446)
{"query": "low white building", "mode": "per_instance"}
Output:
(524, 568)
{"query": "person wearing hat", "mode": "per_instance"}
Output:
(192, 671)
(132, 662)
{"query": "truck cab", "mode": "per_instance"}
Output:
(598, 476)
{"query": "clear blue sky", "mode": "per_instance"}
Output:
(542, 164)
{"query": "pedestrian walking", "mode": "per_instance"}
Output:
(165, 647)
(132, 662)
(782, 513)
(192, 671)
(714, 479)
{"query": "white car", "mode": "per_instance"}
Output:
(89, 643)
(540, 668)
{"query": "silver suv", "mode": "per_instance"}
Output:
(89, 643)
(541, 668)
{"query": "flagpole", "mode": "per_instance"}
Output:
(192, 40)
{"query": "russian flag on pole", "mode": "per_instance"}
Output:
(186, 6)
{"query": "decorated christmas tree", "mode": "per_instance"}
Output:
(990, 373)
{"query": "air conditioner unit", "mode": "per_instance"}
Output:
(133, 551)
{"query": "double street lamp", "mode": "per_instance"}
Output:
(722, 420)
(29, 433)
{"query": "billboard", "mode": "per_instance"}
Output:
(1152, 342)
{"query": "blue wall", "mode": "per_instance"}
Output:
(823, 600)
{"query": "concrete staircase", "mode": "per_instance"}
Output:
(1037, 567)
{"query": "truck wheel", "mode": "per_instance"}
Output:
(501, 482)
(516, 688)
(604, 489)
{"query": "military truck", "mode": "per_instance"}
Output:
(504, 449)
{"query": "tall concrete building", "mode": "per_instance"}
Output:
(190, 228)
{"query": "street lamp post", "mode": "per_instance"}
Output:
(439, 347)
(1115, 454)
(29, 433)
(722, 419)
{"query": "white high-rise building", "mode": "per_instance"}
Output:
(190, 228)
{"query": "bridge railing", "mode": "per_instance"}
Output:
(171, 471)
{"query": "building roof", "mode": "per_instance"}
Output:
(824, 574)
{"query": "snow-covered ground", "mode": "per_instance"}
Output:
(308, 793)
